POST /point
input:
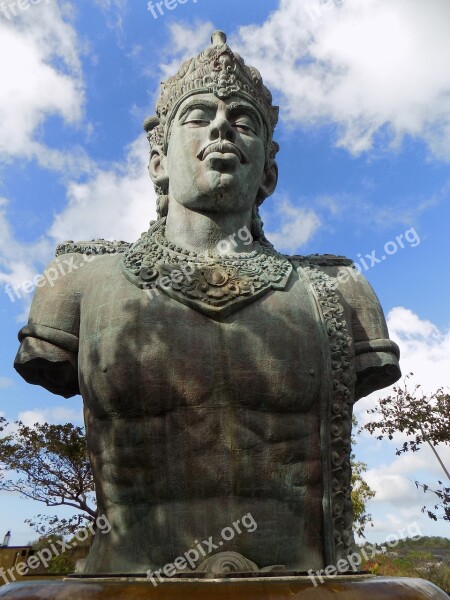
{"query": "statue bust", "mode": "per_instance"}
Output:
(218, 375)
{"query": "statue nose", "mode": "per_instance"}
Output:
(221, 129)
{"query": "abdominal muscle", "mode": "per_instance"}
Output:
(160, 494)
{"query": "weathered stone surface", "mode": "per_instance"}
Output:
(226, 390)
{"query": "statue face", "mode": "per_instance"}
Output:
(216, 155)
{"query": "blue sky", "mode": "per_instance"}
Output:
(364, 91)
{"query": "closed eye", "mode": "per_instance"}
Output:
(196, 122)
(197, 117)
(244, 126)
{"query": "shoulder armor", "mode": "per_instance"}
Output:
(322, 260)
(93, 247)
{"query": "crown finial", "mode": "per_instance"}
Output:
(218, 38)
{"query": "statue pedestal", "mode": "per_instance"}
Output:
(357, 587)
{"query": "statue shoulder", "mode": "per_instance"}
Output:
(321, 260)
(96, 247)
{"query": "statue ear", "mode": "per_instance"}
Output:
(269, 180)
(157, 168)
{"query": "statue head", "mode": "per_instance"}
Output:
(212, 137)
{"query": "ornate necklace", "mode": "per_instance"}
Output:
(214, 285)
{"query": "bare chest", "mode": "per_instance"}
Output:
(141, 355)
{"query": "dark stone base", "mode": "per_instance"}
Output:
(358, 587)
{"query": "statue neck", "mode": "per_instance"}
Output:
(214, 233)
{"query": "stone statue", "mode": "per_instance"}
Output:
(218, 375)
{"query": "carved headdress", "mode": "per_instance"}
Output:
(222, 72)
(217, 70)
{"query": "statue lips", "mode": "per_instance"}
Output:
(223, 147)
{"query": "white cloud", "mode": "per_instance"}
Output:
(117, 203)
(115, 12)
(4, 383)
(373, 67)
(55, 416)
(108, 5)
(41, 76)
(395, 211)
(424, 351)
(405, 522)
(185, 42)
(398, 490)
(394, 482)
(18, 260)
(403, 323)
(296, 225)
(398, 501)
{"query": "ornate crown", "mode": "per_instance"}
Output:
(216, 70)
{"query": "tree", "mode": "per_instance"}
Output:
(61, 564)
(53, 468)
(361, 492)
(413, 559)
(425, 419)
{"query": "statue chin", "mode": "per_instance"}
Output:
(217, 185)
(222, 198)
